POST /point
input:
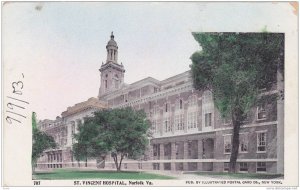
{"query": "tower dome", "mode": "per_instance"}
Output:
(112, 42)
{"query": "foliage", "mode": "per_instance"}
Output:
(235, 66)
(34, 125)
(40, 142)
(122, 132)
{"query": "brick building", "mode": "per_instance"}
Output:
(188, 132)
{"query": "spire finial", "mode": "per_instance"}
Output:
(112, 35)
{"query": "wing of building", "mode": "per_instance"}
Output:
(189, 133)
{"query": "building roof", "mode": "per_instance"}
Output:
(90, 103)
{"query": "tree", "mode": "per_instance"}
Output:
(88, 138)
(122, 132)
(127, 134)
(40, 142)
(235, 67)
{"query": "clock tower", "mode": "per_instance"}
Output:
(111, 73)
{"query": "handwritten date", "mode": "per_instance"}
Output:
(16, 105)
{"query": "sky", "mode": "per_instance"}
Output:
(59, 46)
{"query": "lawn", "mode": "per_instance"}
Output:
(238, 175)
(96, 174)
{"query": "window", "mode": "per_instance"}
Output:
(226, 166)
(178, 121)
(179, 104)
(261, 112)
(189, 148)
(140, 166)
(155, 166)
(167, 149)
(116, 83)
(208, 120)
(192, 120)
(156, 150)
(227, 144)
(261, 141)
(243, 166)
(105, 83)
(154, 126)
(261, 167)
(167, 125)
(244, 142)
(156, 110)
(192, 101)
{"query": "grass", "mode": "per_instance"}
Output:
(94, 174)
(238, 175)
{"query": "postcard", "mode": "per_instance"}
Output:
(150, 94)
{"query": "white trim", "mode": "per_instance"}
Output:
(268, 93)
(173, 160)
(258, 152)
(261, 131)
(227, 128)
(154, 96)
(196, 160)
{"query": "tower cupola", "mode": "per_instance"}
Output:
(112, 50)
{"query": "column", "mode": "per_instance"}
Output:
(57, 157)
(116, 58)
(69, 134)
(200, 153)
(185, 155)
(151, 152)
(161, 156)
(173, 155)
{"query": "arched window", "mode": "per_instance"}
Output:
(105, 83)
(179, 104)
